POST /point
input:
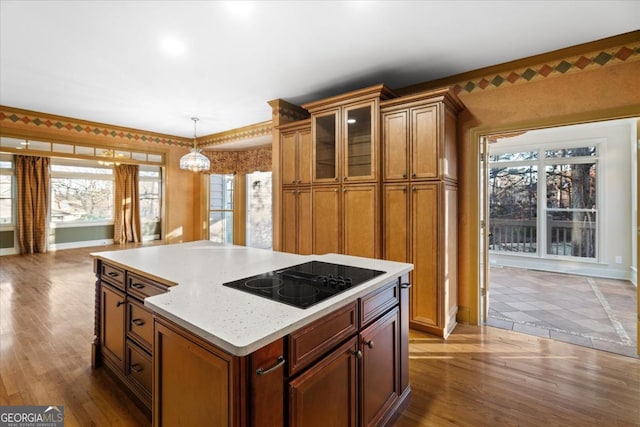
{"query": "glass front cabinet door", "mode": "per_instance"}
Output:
(345, 144)
(359, 151)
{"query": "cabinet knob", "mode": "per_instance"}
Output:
(369, 343)
(263, 371)
(112, 274)
(293, 182)
(413, 188)
(405, 285)
(137, 285)
(336, 178)
(404, 175)
(345, 178)
(414, 175)
(358, 354)
(136, 367)
(119, 303)
(344, 190)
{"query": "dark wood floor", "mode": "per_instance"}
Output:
(480, 376)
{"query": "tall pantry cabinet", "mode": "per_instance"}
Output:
(375, 175)
(420, 202)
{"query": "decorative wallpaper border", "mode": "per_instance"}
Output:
(597, 59)
(42, 121)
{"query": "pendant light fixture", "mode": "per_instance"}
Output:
(195, 161)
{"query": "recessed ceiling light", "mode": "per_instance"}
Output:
(172, 46)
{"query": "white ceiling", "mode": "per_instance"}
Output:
(103, 60)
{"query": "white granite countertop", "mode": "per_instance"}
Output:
(236, 321)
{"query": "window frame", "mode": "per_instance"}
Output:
(542, 161)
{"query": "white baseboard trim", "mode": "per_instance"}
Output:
(84, 244)
(8, 251)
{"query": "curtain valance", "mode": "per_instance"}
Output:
(248, 161)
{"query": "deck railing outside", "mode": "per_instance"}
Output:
(520, 236)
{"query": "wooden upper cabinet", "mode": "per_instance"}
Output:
(419, 137)
(296, 157)
(345, 136)
(395, 137)
(424, 142)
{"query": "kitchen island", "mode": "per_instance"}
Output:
(192, 350)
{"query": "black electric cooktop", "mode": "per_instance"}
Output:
(305, 284)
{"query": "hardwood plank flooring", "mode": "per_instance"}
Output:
(480, 376)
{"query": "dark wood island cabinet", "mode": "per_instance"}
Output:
(348, 367)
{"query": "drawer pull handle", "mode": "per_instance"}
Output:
(113, 274)
(137, 285)
(405, 285)
(138, 322)
(369, 344)
(279, 362)
(119, 303)
(358, 354)
(136, 367)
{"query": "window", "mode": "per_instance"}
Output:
(81, 192)
(7, 193)
(259, 229)
(566, 223)
(149, 184)
(221, 208)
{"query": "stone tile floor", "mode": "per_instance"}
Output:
(587, 311)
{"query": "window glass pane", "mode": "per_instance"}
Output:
(571, 234)
(149, 192)
(571, 152)
(81, 169)
(259, 219)
(221, 227)
(221, 208)
(571, 186)
(6, 199)
(81, 199)
(512, 157)
(513, 209)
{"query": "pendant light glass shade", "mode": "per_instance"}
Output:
(195, 161)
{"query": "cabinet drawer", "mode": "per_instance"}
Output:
(139, 371)
(142, 287)
(378, 302)
(139, 324)
(113, 275)
(308, 344)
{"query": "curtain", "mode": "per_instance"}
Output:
(32, 179)
(229, 162)
(126, 223)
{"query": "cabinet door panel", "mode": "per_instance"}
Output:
(289, 221)
(425, 298)
(112, 312)
(360, 220)
(193, 385)
(396, 222)
(380, 345)
(305, 240)
(395, 130)
(325, 394)
(360, 143)
(305, 156)
(326, 220)
(424, 141)
(288, 143)
(326, 149)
